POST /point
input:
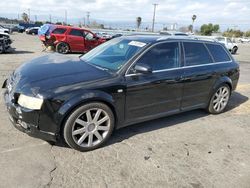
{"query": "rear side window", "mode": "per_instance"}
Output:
(218, 53)
(76, 32)
(196, 54)
(162, 56)
(59, 31)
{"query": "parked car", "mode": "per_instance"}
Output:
(17, 28)
(4, 30)
(244, 40)
(5, 42)
(116, 35)
(67, 39)
(104, 35)
(173, 33)
(231, 46)
(124, 81)
(32, 30)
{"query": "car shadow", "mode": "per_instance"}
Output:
(119, 135)
(236, 100)
(13, 51)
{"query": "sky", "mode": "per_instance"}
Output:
(226, 13)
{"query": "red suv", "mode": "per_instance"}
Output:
(70, 39)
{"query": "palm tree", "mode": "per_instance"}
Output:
(138, 22)
(25, 17)
(193, 18)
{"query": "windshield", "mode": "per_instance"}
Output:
(113, 54)
(221, 39)
(229, 40)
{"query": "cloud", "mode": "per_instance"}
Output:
(225, 12)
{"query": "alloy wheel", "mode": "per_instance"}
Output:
(91, 127)
(63, 48)
(221, 98)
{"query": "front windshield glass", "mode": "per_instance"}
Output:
(229, 40)
(112, 55)
(221, 39)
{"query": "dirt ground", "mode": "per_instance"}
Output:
(192, 149)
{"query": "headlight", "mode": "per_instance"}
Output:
(32, 103)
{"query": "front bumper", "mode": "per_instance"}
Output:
(26, 120)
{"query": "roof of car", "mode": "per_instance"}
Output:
(157, 38)
(72, 27)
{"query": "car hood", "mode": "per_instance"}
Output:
(53, 71)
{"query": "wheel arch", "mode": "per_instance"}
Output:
(68, 107)
(219, 82)
(222, 80)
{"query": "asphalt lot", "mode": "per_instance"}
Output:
(192, 149)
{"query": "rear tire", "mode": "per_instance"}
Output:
(234, 50)
(62, 48)
(89, 126)
(219, 99)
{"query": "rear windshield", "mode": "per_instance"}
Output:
(218, 53)
(59, 31)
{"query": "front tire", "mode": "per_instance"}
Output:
(62, 48)
(89, 126)
(219, 99)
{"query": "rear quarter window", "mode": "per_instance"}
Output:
(218, 52)
(59, 31)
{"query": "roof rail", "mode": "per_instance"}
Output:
(205, 38)
(174, 37)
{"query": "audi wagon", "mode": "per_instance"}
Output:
(124, 81)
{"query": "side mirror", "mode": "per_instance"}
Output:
(142, 68)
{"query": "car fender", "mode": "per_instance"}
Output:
(82, 98)
(222, 80)
(218, 82)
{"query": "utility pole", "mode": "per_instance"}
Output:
(65, 17)
(84, 21)
(35, 18)
(88, 15)
(50, 18)
(29, 14)
(153, 25)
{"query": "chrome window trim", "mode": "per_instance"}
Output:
(184, 67)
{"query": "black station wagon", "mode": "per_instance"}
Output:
(121, 82)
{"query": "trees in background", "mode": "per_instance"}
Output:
(208, 29)
(247, 33)
(233, 33)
